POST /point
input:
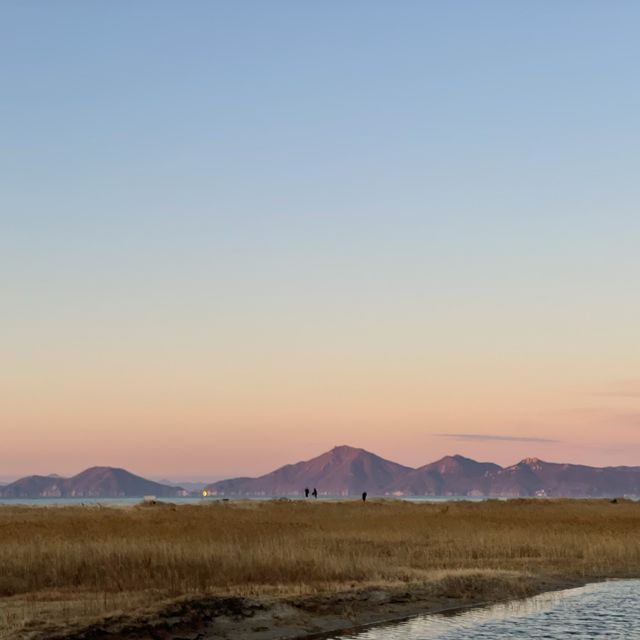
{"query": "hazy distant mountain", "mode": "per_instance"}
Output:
(349, 471)
(531, 476)
(341, 471)
(188, 485)
(449, 476)
(96, 482)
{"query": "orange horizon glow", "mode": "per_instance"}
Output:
(188, 435)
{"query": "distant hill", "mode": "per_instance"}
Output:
(349, 471)
(96, 482)
(341, 471)
(449, 476)
(532, 476)
(187, 485)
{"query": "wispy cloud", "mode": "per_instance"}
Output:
(489, 437)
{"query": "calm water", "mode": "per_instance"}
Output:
(53, 502)
(46, 502)
(603, 610)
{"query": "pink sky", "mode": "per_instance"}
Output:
(161, 426)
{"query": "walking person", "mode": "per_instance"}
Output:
(364, 496)
(314, 493)
(306, 492)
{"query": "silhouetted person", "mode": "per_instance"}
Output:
(306, 492)
(314, 493)
(364, 496)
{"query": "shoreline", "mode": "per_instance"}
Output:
(311, 617)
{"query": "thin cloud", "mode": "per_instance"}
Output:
(485, 437)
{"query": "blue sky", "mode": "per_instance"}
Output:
(432, 194)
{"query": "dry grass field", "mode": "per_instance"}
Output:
(75, 563)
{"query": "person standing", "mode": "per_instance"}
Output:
(314, 493)
(306, 492)
(364, 496)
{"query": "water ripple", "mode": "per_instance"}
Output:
(604, 610)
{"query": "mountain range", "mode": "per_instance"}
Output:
(349, 471)
(346, 471)
(95, 482)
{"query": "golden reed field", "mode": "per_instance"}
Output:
(74, 563)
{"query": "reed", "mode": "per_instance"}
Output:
(85, 561)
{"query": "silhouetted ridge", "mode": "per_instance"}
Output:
(348, 470)
(343, 470)
(449, 476)
(95, 482)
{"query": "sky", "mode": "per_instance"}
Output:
(236, 234)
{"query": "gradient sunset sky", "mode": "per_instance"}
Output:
(235, 234)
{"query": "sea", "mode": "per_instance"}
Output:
(52, 502)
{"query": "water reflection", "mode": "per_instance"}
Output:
(603, 610)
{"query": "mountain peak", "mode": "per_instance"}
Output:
(456, 457)
(450, 463)
(345, 451)
(343, 470)
(533, 463)
(345, 448)
(458, 462)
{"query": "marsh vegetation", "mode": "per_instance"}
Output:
(78, 563)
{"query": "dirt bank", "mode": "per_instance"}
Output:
(316, 616)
